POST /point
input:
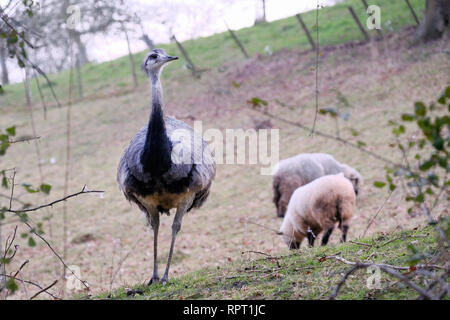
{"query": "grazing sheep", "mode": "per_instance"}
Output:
(301, 169)
(317, 206)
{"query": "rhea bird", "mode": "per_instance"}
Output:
(166, 165)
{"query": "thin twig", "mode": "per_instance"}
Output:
(31, 283)
(44, 290)
(361, 244)
(390, 269)
(262, 226)
(20, 268)
(317, 70)
(83, 191)
(123, 260)
(329, 136)
(24, 139)
(32, 230)
(377, 213)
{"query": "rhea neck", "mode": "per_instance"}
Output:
(157, 149)
(157, 93)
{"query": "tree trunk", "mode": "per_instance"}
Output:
(82, 53)
(260, 11)
(27, 84)
(79, 80)
(435, 20)
(130, 56)
(3, 57)
(148, 41)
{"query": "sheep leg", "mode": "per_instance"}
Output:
(344, 233)
(311, 237)
(154, 222)
(326, 236)
(176, 226)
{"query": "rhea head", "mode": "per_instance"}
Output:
(155, 61)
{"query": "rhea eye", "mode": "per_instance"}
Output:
(153, 56)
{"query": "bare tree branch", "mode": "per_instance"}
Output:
(83, 191)
(44, 290)
(389, 269)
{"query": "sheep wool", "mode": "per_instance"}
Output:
(291, 173)
(318, 206)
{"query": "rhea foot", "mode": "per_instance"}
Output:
(153, 280)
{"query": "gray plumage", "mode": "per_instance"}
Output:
(183, 139)
(166, 165)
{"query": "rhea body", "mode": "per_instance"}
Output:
(166, 165)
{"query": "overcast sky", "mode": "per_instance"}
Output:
(188, 19)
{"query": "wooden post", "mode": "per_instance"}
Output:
(380, 34)
(26, 83)
(184, 53)
(308, 35)
(79, 81)
(364, 32)
(130, 56)
(233, 35)
(412, 12)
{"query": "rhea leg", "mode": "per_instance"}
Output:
(153, 217)
(176, 226)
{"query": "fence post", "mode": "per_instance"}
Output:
(233, 35)
(79, 81)
(308, 35)
(364, 32)
(412, 12)
(26, 83)
(184, 53)
(130, 57)
(380, 34)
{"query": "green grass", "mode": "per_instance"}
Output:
(304, 274)
(336, 26)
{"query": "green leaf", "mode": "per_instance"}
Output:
(379, 184)
(45, 188)
(331, 111)
(4, 182)
(257, 102)
(31, 242)
(420, 109)
(236, 84)
(11, 130)
(426, 165)
(419, 198)
(11, 285)
(29, 188)
(361, 144)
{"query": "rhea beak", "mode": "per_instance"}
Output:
(171, 58)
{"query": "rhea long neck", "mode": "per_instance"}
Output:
(157, 148)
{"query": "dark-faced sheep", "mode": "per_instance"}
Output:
(291, 173)
(318, 206)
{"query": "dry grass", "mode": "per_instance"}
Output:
(381, 80)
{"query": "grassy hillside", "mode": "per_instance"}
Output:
(107, 238)
(304, 274)
(336, 26)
